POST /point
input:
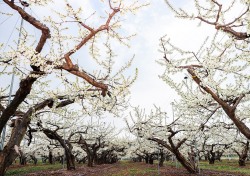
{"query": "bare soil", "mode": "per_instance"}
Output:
(129, 169)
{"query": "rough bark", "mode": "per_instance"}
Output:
(70, 159)
(185, 163)
(22, 92)
(175, 150)
(90, 149)
(8, 155)
(243, 155)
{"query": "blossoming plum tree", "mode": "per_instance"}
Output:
(218, 72)
(178, 137)
(68, 35)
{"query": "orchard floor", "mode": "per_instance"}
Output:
(132, 169)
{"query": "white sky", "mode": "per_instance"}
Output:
(150, 24)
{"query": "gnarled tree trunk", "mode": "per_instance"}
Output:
(90, 157)
(9, 154)
(185, 163)
(70, 158)
(211, 157)
(174, 148)
(243, 155)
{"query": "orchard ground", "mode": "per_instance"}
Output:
(128, 168)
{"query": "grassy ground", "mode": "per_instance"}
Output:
(126, 168)
(224, 165)
(21, 170)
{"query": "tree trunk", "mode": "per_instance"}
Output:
(174, 149)
(190, 168)
(151, 160)
(50, 157)
(34, 159)
(205, 157)
(211, 157)
(218, 155)
(211, 160)
(162, 159)
(44, 159)
(22, 160)
(242, 162)
(243, 157)
(70, 158)
(8, 155)
(90, 160)
(146, 159)
(244, 154)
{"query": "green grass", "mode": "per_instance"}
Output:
(225, 165)
(32, 168)
(140, 171)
